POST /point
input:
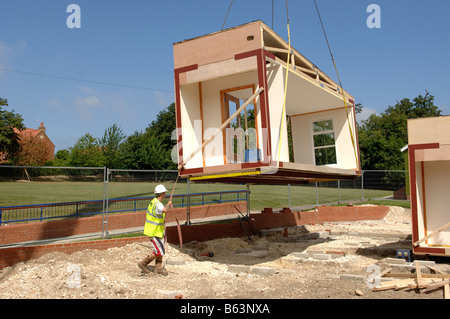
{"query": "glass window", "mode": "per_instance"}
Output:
(324, 143)
(321, 126)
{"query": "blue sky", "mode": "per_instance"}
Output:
(129, 43)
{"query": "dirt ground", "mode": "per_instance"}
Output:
(113, 273)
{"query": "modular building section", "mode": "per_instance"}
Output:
(429, 170)
(241, 118)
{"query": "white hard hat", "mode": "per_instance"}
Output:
(159, 189)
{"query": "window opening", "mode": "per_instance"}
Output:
(324, 143)
(240, 134)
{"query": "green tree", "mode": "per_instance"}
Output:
(133, 153)
(9, 140)
(159, 156)
(382, 136)
(158, 138)
(110, 144)
(86, 153)
(61, 159)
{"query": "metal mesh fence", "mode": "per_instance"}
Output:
(9, 173)
(371, 185)
(142, 175)
(123, 184)
(27, 185)
(77, 192)
(30, 193)
(385, 180)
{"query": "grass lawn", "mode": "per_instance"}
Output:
(275, 196)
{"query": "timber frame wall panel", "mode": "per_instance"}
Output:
(252, 55)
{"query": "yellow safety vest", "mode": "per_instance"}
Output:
(154, 224)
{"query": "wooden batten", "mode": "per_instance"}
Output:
(302, 60)
(306, 74)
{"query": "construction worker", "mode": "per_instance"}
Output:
(155, 228)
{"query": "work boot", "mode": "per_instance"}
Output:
(144, 263)
(159, 268)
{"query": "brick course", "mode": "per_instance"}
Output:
(266, 220)
(14, 233)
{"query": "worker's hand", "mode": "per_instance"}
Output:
(170, 204)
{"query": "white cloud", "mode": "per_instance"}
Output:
(5, 51)
(86, 106)
(88, 90)
(162, 98)
(55, 107)
(366, 112)
(5, 55)
(54, 104)
(90, 101)
(10, 51)
(105, 108)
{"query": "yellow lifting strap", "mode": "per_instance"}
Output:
(288, 62)
(199, 178)
(340, 84)
(349, 126)
(283, 113)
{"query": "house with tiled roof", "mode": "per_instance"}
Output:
(36, 147)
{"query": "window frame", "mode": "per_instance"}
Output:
(314, 133)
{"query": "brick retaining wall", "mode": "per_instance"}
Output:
(285, 218)
(265, 220)
(14, 233)
(13, 255)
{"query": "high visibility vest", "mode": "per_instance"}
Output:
(154, 224)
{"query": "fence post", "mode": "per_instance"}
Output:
(362, 185)
(289, 196)
(1, 217)
(339, 191)
(104, 195)
(317, 195)
(105, 215)
(188, 210)
(247, 197)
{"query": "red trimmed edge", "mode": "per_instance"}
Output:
(413, 188)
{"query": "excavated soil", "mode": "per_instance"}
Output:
(113, 273)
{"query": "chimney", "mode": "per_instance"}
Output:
(42, 127)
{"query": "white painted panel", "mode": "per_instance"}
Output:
(191, 130)
(278, 125)
(303, 138)
(437, 187)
